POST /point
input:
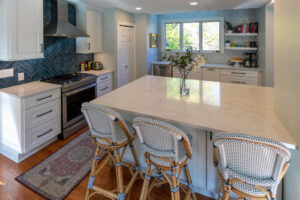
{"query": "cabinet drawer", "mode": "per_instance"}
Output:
(104, 77)
(41, 134)
(239, 73)
(41, 98)
(245, 81)
(195, 76)
(104, 87)
(211, 74)
(42, 113)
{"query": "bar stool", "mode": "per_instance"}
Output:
(111, 134)
(251, 167)
(166, 149)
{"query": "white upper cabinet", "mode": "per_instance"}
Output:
(92, 25)
(21, 33)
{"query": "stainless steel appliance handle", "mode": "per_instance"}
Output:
(79, 90)
(45, 133)
(45, 113)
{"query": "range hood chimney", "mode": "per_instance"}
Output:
(59, 25)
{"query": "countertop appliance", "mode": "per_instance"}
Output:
(77, 88)
(250, 60)
(97, 66)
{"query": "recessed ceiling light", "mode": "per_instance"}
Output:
(194, 3)
(138, 8)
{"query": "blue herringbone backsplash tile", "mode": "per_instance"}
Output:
(60, 56)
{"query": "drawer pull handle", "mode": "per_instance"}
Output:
(44, 98)
(40, 115)
(238, 82)
(238, 73)
(45, 133)
(211, 69)
(104, 78)
(104, 88)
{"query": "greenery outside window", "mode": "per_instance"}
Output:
(206, 36)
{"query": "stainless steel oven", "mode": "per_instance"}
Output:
(73, 119)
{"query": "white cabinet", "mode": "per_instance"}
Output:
(28, 123)
(104, 84)
(195, 74)
(21, 32)
(93, 27)
(241, 77)
(211, 74)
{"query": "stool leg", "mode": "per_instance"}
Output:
(119, 173)
(175, 194)
(146, 183)
(189, 180)
(92, 175)
(225, 192)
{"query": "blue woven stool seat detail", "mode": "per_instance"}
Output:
(191, 187)
(173, 173)
(91, 182)
(176, 189)
(117, 164)
(147, 177)
(121, 196)
(97, 157)
(138, 168)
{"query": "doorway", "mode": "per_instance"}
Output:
(125, 54)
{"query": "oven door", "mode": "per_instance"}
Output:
(72, 102)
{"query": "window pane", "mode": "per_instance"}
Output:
(191, 36)
(173, 36)
(211, 36)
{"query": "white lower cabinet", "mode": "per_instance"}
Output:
(104, 84)
(29, 123)
(210, 74)
(195, 74)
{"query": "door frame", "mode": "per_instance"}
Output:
(133, 69)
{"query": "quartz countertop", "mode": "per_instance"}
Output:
(215, 106)
(98, 72)
(226, 66)
(29, 89)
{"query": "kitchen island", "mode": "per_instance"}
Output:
(211, 108)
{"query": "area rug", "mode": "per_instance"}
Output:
(56, 176)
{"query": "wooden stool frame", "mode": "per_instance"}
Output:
(113, 153)
(226, 186)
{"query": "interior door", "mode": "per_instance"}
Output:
(125, 54)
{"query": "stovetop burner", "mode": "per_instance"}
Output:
(67, 79)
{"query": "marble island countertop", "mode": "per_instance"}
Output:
(29, 89)
(215, 106)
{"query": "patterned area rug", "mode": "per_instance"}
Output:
(57, 175)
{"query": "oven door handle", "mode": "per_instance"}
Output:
(79, 90)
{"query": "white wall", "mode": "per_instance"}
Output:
(110, 18)
(287, 82)
(152, 53)
(269, 44)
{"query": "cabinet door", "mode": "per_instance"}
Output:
(29, 29)
(211, 74)
(94, 30)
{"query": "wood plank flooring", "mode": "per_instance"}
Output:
(12, 190)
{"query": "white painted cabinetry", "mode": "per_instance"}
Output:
(29, 122)
(92, 25)
(21, 32)
(211, 74)
(195, 74)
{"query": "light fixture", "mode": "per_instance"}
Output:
(138, 8)
(194, 3)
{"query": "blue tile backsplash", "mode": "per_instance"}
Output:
(60, 56)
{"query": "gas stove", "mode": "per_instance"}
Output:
(71, 80)
(77, 88)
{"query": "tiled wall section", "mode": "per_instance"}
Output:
(236, 17)
(60, 56)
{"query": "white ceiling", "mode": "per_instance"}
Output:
(176, 6)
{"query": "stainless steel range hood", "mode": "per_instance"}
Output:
(59, 25)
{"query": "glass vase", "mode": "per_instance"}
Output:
(184, 90)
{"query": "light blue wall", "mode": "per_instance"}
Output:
(152, 53)
(236, 17)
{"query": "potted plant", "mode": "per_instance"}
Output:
(228, 27)
(227, 43)
(184, 63)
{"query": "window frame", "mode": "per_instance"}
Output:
(200, 21)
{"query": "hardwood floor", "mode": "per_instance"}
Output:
(12, 190)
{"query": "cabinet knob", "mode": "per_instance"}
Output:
(89, 46)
